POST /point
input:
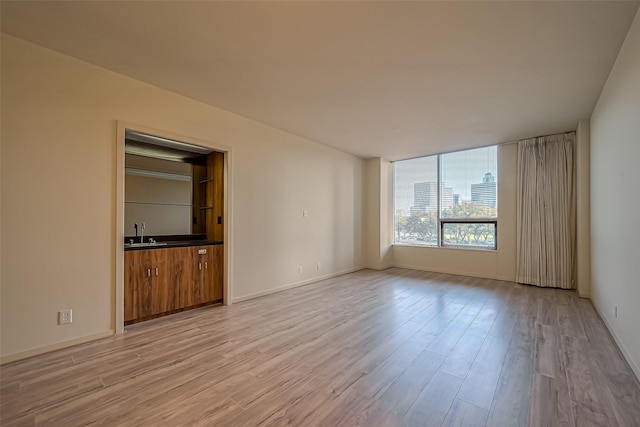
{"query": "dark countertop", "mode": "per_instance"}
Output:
(172, 244)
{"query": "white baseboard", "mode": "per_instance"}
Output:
(455, 273)
(295, 285)
(377, 268)
(51, 347)
(584, 295)
(621, 346)
(369, 267)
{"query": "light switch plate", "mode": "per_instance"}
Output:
(65, 316)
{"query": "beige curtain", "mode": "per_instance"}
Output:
(546, 211)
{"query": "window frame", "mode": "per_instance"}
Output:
(493, 221)
(440, 222)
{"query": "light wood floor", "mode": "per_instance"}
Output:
(397, 347)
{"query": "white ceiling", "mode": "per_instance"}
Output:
(376, 79)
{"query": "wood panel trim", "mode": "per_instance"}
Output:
(215, 196)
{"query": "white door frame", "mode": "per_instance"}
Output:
(118, 305)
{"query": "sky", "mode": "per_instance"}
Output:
(459, 171)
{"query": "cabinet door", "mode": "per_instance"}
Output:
(170, 275)
(137, 285)
(209, 269)
(189, 267)
(213, 274)
(182, 275)
(130, 288)
(186, 276)
(207, 275)
(199, 277)
(163, 295)
(145, 289)
(202, 290)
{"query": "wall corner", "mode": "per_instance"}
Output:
(583, 209)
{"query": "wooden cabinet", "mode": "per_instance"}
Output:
(200, 264)
(215, 275)
(137, 287)
(205, 282)
(165, 283)
(150, 287)
(159, 281)
(207, 277)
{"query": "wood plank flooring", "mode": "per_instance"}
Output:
(391, 348)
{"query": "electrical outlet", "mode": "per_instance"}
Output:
(318, 265)
(299, 269)
(65, 316)
(305, 213)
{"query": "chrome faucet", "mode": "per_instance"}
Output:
(142, 232)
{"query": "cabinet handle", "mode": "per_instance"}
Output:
(200, 266)
(156, 271)
(148, 272)
(206, 265)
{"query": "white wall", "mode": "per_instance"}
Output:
(58, 195)
(615, 199)
(386, 214)
(379, 214)
(583, 209)
(372, 218)
(500, 264)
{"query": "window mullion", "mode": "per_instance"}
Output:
(439, 185)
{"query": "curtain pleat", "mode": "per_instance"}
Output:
(546, 211)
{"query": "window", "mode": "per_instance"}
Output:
(447, 200)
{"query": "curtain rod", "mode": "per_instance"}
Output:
(482, 146)
(539, 136)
